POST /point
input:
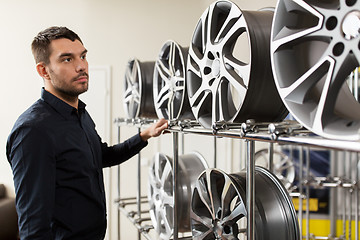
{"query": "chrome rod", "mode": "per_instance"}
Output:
(333, 195)
(175, 184)
(182, 144)
(142, 230)
(215, 152)
(297, 138)
(138, 197)
(307, 193)
(356, 84)
(250, 190)
(118, 189)
(357, 197)
(301, 179)
(344, 199)
(281, 139)
(271, 157)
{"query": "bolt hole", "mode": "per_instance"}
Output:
(349, 124)
(338, 49)
(350, 2)
(227, 229)
(331, 23)
(211, 56)
(207, 70)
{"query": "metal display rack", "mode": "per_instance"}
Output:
(282, 133)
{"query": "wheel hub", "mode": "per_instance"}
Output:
(217, 229)
(216, 67)
(351, 25)
(172, 84)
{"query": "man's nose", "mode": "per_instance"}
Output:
(81, 65)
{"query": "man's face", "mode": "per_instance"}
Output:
(67, 68)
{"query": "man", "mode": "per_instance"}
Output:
(55, 152)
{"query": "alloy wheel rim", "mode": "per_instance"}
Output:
(218, 210)
(313, 51)
(160, 196)
(138, 100)
(223, 84)
(170, 98)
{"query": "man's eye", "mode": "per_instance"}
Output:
(67, 59)
(83, 57)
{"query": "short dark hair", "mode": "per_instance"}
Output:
(41, 44)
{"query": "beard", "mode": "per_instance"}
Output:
(67, 89)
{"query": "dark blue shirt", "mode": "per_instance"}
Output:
(57, 158)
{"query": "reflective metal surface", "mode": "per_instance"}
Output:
(160, 195)
(229, 74)
(283, 166)
(218, 210)
(138, 94)
(314, 48)
(170, 96)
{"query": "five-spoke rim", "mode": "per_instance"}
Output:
(314, 48)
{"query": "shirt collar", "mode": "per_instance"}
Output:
(60, 106)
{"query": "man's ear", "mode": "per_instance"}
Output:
(42, 71)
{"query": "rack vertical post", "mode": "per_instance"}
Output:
(250, 190)
(175, 183)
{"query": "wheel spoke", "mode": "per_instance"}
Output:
(237, 83)
(286, 34)
(208, 21)
(162, 96)
(240, 69)
(198, 235)
(166, 173)
(163, 71)
(172, 58)
(229, 28)
(238, 212)
(194, 59)
(197, 101)
(201, 220)
(168, 200)
(305, 82)
(326, 103)
(167, 225)
(204, 196)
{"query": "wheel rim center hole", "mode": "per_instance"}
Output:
(351, 25)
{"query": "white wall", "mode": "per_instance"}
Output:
(113, 31)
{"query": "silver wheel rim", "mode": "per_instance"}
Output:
(170, 98)
(160, 195)
(223, 86)
(138, 97)
(313, 51)
(218, 207)
(283, 166)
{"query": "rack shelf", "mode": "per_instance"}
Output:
(283, 133)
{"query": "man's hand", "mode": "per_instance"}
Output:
(154, 130)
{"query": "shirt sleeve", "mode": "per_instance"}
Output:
(33, 164)
(121, 152)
